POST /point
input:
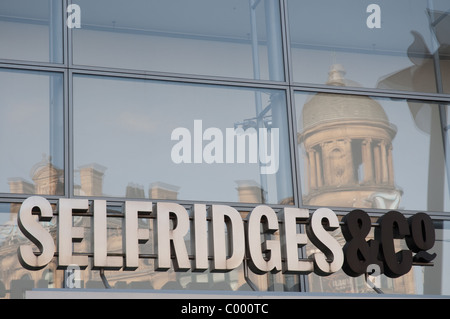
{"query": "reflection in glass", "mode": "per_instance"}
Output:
(144, 277)
(31, 30)
(31, 133)
(149, 139)
(359, 151)
(410, 50)
(14, 279)
(420, 280)
(219, 38)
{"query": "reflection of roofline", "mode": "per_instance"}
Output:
(165, 186)
(247, 183)
(18, 179)
(330, 124)
(372, 187)
(94, 166)
(334, 106)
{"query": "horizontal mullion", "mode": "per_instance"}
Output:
(437, 97)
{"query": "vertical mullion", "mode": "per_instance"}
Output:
(69, 135)
(286, 41)
(65, 34)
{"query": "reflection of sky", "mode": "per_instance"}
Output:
(198, 36)
(24, 123)
(337, 33)
(343, 23)
(411, 156)
(126, 126)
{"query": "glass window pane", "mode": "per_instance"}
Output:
(359, 151)
(220, 37)
(31, 30)
(403, 52)
(31, 132)
(149, 139)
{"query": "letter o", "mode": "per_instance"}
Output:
(394, 225)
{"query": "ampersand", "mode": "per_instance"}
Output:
(359, 253)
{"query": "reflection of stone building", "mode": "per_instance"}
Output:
(91, 178)
(348, 144)
(47, 180)
(250, 191)
(160, 190)
(14, 279)
(349, 163)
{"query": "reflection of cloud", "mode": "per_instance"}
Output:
(141, 123)
(418, 77)
(429, 72)
(428, 63)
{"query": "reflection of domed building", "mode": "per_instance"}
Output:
(347, 141)
(47, 179)
(348, 144)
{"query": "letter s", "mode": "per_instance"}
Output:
(330, 247)
(36, 233)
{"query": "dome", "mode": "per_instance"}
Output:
(330, 107)
(326, 107)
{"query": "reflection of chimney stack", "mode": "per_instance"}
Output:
(250, 192)
(91, 178)
(134, 191)
(20, 186)
(160, 190)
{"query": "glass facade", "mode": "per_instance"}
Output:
(184, 138)
(286, 103)
(32, 132)
(382, 52)
(32, 30)
(359, 151)
(193, 37)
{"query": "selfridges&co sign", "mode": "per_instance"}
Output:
(221, 239)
